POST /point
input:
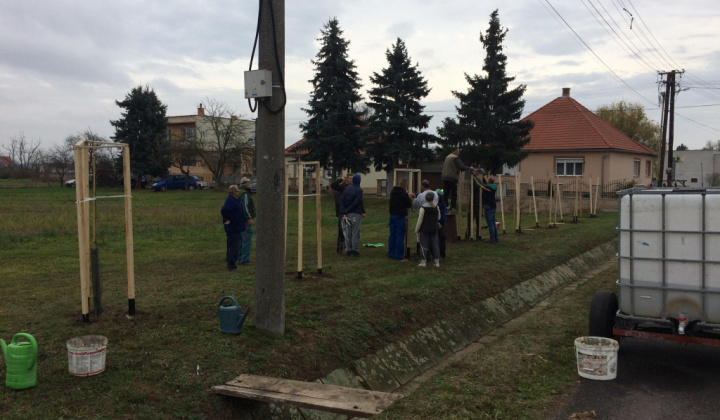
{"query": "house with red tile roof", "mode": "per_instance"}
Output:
(569, 141)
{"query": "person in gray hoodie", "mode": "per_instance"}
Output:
(353, 211)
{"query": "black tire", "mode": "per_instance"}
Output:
(603, 308)
(163, 188)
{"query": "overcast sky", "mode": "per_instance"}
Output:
(64, 64)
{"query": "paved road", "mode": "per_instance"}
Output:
(655, 380)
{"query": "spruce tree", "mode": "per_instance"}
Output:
(144, 127)
(488, 128)
(333, 131)
(393, 134)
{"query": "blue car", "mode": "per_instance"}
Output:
(175, 182)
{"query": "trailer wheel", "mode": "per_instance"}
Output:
(603, 307)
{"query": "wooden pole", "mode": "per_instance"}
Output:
(287, 199)
(318, 217)
(577, 201)
(301, 180)
(129, 241)
(502, 205)
(559, 198)
(81, 196)
(471, 220)
(597, 193)
(551, 198)
(518, 229)
(532, 188)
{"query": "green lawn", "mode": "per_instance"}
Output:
(358, 306)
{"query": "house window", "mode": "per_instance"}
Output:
(188, 133)
(568, 167)
(693, 180)
(648, 167)
(636, 168)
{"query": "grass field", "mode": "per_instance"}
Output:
(358, 306)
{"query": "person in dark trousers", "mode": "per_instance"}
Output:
(400, 202)
(234, 225)
(427, 228)
(338, 186)
(450, 176)
(443, 219)
(248, 206)
(353, 211)
(488, 187)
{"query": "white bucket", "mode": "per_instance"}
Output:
(596, 357)
(86, 355)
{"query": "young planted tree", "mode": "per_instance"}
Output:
(333, 131)
(393, 132)
(223, 139)
(143, 126)
(488, 128)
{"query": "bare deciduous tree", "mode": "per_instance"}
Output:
(224, 139)
(25, 156)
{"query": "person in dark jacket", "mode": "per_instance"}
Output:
(488, 187)
(234, 224)
(427, 228)
(400, 202)
(353, 211)
(338, 186)
(442, 208)
(450, 176)
(248, 206)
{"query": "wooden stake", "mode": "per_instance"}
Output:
(532, 188)
(517, 203)
(502, 206)
(300, 182)
(318, 218)
(129, 241)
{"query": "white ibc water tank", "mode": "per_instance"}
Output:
(669, 254)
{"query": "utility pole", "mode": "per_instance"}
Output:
(270, 149)
(668, 127)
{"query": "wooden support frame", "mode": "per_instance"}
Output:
(81, 151)
(299, 168)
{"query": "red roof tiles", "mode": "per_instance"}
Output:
(565, 125)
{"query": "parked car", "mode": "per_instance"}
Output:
(133, 178)
(175, 182)
(201, 184)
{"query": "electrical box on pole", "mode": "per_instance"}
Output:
(258, 84)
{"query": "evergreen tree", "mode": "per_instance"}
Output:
(333, 130)
(143, 126)
(488, 128)
(393, 134)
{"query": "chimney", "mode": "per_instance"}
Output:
(201, 110)
(233, 117)
(565, 92)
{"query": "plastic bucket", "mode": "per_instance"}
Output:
(86, 355)
(596, 357)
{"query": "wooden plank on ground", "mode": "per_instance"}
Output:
(312, 395)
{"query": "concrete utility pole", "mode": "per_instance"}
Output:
(270, 149)
(668, 128)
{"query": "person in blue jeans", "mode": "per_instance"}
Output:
(248, 208)
(489, 205)
(400, 202)
(352, 209)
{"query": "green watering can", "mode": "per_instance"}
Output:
(21, 361)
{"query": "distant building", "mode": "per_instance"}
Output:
(697, 168)
(189, 128)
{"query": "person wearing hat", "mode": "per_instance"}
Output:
(353, 210)
(234, 225)
(450, 175)
(248, 208)
(427, 230)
